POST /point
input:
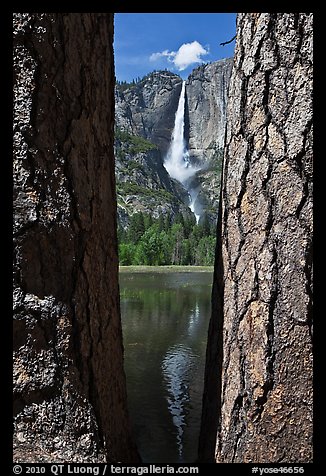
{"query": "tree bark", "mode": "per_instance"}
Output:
(258, 381)
(69, 384)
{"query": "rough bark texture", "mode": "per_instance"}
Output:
(258, 379)
(69, 384)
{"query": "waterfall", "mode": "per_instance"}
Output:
(177, 159)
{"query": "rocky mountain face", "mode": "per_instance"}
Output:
(147, 109)
(206, 101)
(258, 380)
(70, 402)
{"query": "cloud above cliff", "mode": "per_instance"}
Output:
(187, 55)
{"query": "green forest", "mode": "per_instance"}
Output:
(167, 240)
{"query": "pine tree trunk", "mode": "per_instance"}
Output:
(258, 385)
(69, 383)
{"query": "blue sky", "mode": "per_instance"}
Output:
(176, 41)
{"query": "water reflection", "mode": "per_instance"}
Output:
(165, 319)
(193, 320)
(177, 366)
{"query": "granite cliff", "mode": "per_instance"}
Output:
(206, 102)
(147, 109)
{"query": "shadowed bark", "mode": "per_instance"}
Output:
(69, 383)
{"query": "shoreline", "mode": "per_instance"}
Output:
(166, 269)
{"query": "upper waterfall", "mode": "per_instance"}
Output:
(177, 158)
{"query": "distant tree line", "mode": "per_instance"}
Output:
(167, 241)
(123, 85)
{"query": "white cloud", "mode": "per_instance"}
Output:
(168, 54)
(187, 54)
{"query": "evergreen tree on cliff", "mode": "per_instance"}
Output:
(257, 403)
